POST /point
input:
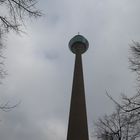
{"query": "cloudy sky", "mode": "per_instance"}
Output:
(40, 65)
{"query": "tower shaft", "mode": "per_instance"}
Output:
(78, 128)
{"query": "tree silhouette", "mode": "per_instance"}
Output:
(13, 14)
(118, 126)
(132, 104)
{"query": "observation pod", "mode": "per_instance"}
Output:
(78, 44)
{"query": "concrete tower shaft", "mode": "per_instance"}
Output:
(77, 127)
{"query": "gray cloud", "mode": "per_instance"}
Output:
(40, 65)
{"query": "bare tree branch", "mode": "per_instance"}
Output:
(16, 13)
(6, 107)
(13, 20)
(118, 126)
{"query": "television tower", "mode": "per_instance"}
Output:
(78, 127)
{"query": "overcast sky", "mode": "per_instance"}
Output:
(40, 65)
